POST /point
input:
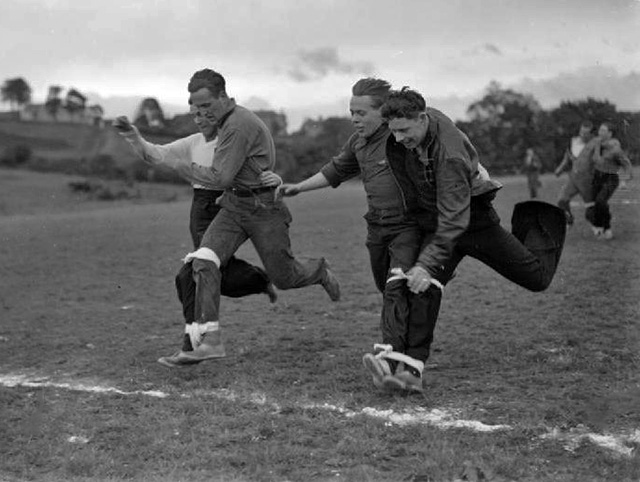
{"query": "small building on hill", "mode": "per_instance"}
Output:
(92, 115)
(73, 110)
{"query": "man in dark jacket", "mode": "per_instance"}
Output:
(393, 234)
(451, 194)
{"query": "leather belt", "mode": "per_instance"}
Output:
(246, 192)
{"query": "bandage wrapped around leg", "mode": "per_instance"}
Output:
(197, 331)
(202, 253)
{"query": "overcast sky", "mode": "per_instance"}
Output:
(297, 54)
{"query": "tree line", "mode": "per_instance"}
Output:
(17, 93)
(502, 125)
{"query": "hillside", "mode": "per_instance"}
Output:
(68, 141)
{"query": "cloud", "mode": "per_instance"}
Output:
(600, 82)
(318, 63)
(491, 48)
(486, 48)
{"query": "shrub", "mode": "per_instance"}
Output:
(105, 166)
(105, 190)
(16, 155)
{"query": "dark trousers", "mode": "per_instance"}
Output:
(396, 244)
(528, 256)
(239, 278)
(604, 185)
(533, 183)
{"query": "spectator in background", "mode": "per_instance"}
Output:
(531, 168)
(578, 162)
(609, 160)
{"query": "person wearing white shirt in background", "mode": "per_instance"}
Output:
(578, 161)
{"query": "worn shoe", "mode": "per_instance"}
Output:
(597, 232)
(270, 291)
(378, 367)
(330, 283)
(607, 234)
(204, 352)
(403, 379)
(177, 360)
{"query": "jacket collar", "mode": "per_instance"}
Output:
(227, 113)
(378, 134)
(429, 138)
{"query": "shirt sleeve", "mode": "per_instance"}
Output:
(453, 181)
(172, 155)
(175, 155)
(342, 167)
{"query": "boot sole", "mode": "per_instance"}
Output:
(392, 383)
(164, 361)
(198, 359)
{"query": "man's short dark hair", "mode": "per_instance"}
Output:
(377, 89)
(404, 103)
(587, 123)
(207, 79)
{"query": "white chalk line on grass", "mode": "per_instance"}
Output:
(17, 380)
(438, 418)
(611, 201)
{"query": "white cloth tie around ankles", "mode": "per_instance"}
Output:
(386, 352)
(196, 331)
(399, 274)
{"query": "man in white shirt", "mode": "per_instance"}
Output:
(578, 161)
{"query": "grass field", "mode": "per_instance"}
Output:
(521, 386)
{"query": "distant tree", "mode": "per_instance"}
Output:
(569, 114)
(311, 147)
(504, 123)
(53, 102)
(16, 92)
(275, 121)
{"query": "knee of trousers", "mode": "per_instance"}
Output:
(395, 289)
(201, 257)
(204, 259)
